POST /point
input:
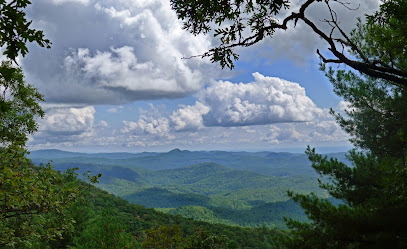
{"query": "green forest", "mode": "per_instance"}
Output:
(357, 202)
(207, 191)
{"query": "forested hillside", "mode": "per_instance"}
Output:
(355, 202)
(106, 221)
(268, 163)
(236, 194)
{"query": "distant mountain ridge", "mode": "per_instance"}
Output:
(54, 153)
(268, 163)
(235, 188)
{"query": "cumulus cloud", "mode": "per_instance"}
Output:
(103, 124)
(113, 52)
(287, 133)
(308, 132)
(65, 125)
(189, 117)
(266, 112)
(147, 125)
(119, 51)
(266, 100)
(84, 2)
(326, 130)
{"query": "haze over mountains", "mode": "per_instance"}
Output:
(236, 188)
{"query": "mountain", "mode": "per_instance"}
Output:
(235, 188)
(57, 154)
(267, 163)
(103, 220)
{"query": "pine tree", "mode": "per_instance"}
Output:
(372, 191)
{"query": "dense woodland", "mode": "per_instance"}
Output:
(207, 191)
(41, 207)
(106, 221)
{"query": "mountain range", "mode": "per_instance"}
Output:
(234, 188)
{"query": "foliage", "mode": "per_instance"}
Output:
(269, 214)
(372, 190)
(383, 38)
(377, 115)
(371, 213)
(164, 237)
(32, 200)
(104, 217)
(239, 17)
(19, 106)
(243, 23)
(207, 191)
(204, 240)
(105, 231)
(15, 29)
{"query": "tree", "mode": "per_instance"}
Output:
(371, 193)
(33, 200)
(15, 29)
(243, 23)
(372, 190)
(105, 231)
(201, 239)
(19, 106)
(164, 237)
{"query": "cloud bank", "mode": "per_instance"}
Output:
(266, 100)
(113, 52)
(116, 52)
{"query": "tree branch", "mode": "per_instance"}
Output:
(373, 69)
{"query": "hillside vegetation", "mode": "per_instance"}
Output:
(198, 186)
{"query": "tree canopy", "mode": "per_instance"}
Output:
(371, 190)
(243, 23)
(370, 193)
(15, 29)
(19, 106)
(33, 200)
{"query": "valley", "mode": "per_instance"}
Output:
(233, 188)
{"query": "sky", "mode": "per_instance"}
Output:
(115, 80)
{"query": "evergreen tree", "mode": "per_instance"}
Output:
(371, 192)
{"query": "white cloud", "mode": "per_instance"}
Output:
(189, 117)
(115, 109)
(120, 69)
(103, 124)
(327, 127)
(68, 120)
(115, 52)
(58, 2)
(326, 130)
(266, 100)
(112, 110)
(147, 125)
(288, 133)
(240, 111)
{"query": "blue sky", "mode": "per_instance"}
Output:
(115, 80)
